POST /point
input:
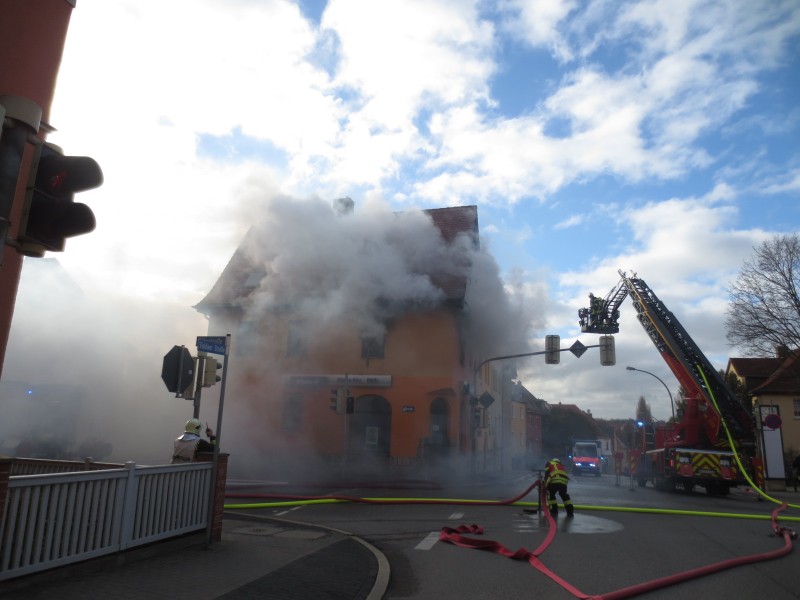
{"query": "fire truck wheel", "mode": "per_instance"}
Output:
(662, 484)
(718, 489)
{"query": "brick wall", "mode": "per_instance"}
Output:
(219, 491)
(5, 473)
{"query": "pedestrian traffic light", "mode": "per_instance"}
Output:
(552, 349)
(210, 369)
(337, 401)
(49, 214)
(351, 405)
(608, 355)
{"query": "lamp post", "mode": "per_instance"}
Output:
(671, 402)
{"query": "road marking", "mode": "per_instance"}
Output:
(428, 542)
(285, 512)
(456, 516)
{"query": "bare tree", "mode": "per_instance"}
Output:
(764, 311)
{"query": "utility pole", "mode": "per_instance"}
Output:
(32, 36)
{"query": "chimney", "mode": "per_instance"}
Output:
(343, 206)
(781, 351)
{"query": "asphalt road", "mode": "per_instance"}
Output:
(618, 538)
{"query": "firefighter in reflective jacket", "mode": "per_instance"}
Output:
(555, 481)
(190, 443)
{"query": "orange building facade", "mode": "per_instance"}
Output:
(412, 391)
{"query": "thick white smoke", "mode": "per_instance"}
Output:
(367, 266)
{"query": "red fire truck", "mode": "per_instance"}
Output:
(713, 437)
(587, 457)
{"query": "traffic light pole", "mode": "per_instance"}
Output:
(577, 349)
(215, 461)
(571, 349)
(346, 428)
(198, 382)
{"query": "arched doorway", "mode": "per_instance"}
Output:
(439, 435)
(370, 427)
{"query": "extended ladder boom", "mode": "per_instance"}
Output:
(704, 386)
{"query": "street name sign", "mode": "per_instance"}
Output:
(215, 344)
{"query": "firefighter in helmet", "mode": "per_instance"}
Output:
(555, 482)
(190, 443)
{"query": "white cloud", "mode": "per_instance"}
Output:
(791, 183)
(666, 100)
(536, 22)
(571, 221)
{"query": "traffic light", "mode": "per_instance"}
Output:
(210, 369)
(336, 400)
(476, 416)
(188, 392)
(608, 355)
(351, 405)
(49, 214)
(552, 349)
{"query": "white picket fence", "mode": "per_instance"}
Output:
(56, 519)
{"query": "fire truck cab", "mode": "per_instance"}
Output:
(586, 458)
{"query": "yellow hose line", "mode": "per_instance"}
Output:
(733, 447)
(716, 408)
(631, 509)
(688, 513)
(286, 503)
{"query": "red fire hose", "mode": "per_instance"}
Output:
(453, 536)
(456, 536)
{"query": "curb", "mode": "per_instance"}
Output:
(384, 570)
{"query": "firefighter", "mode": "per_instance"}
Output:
(555, 481)
(190, 443)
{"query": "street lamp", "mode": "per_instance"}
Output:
(672, 403)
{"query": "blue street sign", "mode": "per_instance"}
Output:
(213, 344)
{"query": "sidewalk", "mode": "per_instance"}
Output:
(258, 557)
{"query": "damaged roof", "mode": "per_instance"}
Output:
(241, 277)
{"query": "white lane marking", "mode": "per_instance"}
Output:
(428, 542)
(456, 516)
(285, 512)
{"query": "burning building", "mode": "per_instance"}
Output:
(356, 340)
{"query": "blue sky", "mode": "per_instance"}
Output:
(656, 136)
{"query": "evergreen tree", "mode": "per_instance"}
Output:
(643, 411)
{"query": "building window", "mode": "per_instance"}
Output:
(292, 411)
(246, 336)
(253, 280)
(797, 408)
(372, 346)
(296, 341)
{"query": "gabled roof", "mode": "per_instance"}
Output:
(769, 375)
(754, 367)
(785, 379)
(519, 393)
(240, 277)
(573, 408)
(454, 220)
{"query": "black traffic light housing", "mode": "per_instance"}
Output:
(336, 400)
(49, 214)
